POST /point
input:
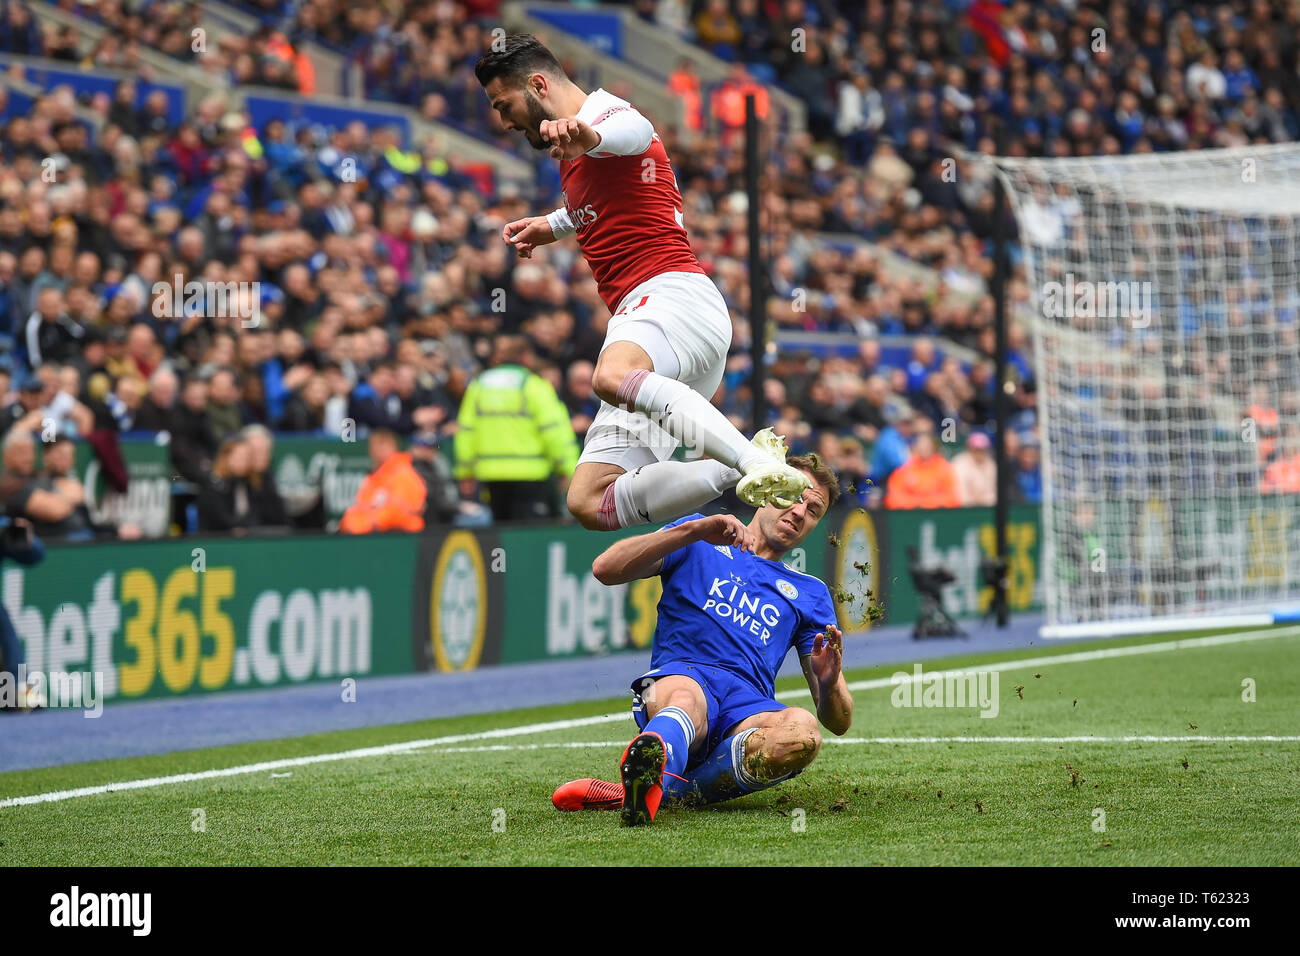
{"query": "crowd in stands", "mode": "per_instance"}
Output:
(381, 294)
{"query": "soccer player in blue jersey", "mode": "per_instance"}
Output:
(711, 728)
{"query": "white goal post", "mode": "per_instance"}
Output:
(1164, 295)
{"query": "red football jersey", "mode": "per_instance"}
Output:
(628, 216)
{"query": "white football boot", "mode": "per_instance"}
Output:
(772, 482)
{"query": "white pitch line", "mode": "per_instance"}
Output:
(1130, 739)
(269, 765)
(56, 796)
(1127, 739)
(1105, 653)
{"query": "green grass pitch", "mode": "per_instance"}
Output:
(486, 801)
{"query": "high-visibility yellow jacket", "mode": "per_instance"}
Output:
(513, 427)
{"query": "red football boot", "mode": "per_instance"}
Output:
(642, 768)
(588, 794)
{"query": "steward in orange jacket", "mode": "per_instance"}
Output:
(926, 480)
(392, 496)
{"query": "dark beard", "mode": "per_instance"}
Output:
(537, 114)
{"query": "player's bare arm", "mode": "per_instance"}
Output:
(823, 671)
(643, 556)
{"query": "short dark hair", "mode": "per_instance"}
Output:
(520, 55)
(824, 474)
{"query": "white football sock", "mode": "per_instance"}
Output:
(666, 490)
(690, 418)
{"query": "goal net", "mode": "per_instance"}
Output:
(1164, 295)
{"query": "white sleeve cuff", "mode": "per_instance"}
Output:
(561, 224)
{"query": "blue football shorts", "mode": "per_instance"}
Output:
(729, 698)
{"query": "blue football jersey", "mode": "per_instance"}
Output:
(725, 607)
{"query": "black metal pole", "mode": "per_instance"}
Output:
(1001, 397)
(757, 283)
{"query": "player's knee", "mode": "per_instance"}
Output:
(800, 740)
(585, 506)
(608, 378)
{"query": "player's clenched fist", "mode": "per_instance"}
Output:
(725, 529)
(569, 138)
(525, 234)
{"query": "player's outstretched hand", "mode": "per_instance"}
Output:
(725, 529)
(526, 234)
(828, 655)
(569, 138)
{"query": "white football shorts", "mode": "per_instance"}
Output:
(682, 322)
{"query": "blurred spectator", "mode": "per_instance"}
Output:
(514, 435)
(261, 479)
(1028, 478)
(853, 468)
(381, 404)
(684, 82)
(579, 397)
(194, 444)
(27, 406)
(120, 407)
(891, 449)
(717, 29)
(44, 409)
(20, 493)
(19, 32)
(392, 497)
(306, 409)
(49, 334)
(143, 353)
(926, 480)
(226, 411)
(442, 500)
(225, 498)
(157, 411)
(1283, 475)
(977, 473)
(58, 475)
(728, 100)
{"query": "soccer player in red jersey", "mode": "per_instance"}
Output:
(667, 342)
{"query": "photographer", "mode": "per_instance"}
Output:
(19, 542)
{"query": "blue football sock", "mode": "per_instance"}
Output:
(722, 776)
(675, 727)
